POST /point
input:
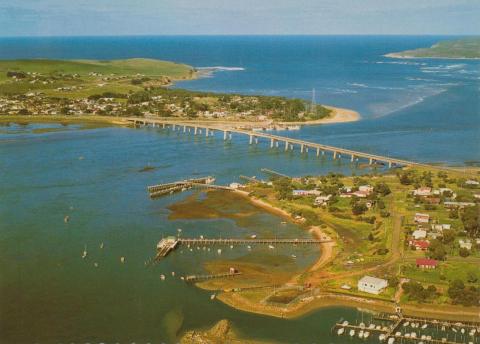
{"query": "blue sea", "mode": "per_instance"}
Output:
(419, 109)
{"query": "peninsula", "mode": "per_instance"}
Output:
(468, 48)
(140, 88)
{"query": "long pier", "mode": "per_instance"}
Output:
(165, 246)
(196, 278)
(277, 141)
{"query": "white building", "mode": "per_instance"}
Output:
(321, 200)
(419, 234)
(422, 218)
(372, 285)
(366, 188)
(306, 193)
(467, 244)
(423, 191)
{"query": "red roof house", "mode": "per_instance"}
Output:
(426, 263)
(420, 244)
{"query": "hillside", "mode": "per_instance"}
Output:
(468, 48)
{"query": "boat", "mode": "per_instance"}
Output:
(340, 331)
(102, 245)
(294, 256)
(462, 331)
(283, 222)
(381, 337)
(201, 236)
(271, 247)
(362, 325)
(84, 254)
(454, 329)
(413, 335)
(345, 323)
(162, 277)
(405, 324)
(378, 327)
(219, 251)
(231, 246)
(253, 236)
(398, 334)
(66, 219)
(173, 273)
(366, 334)
(122, 259)
(249, 247)
(391, 340)
(407, 335)
(360, 334)
(424, 326)
(95, 264)
(212, 296)
(351, 333)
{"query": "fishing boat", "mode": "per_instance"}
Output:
(219, 251)
(405, 324)
(352, 332)
(462, 330)
(424, 326)
(249, 247)
(360, 334)
(122, 259)
(398, 334)
(162, 277)
(345, 323)
(84, 254)
(371, 326)
(366, 334)
(253, 236)
(340, 331)
(391, 340)
(378, 327)
(294, 256)
(362, 325)
(407, 335)
(271, 247)
(212, 296)
(381, 337)
(182, 278)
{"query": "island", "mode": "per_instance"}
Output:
(467, 48)
(110, 90)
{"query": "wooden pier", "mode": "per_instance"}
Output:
(274, 173)
(197, 278)
(169, 188)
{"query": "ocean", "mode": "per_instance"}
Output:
(423, 110)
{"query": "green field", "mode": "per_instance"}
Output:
(129, 67)
(462, 48)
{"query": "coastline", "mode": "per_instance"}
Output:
(401, 55)
(339, 115)
(329, 299)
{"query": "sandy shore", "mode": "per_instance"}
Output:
(406, 56)
(338, 115)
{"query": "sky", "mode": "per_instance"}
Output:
(238, 17)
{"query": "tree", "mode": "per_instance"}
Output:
(437, 250)
(359, 208)
(283, 187)
(382, 188)
(463, 252)
(448, 236)
(471, 220)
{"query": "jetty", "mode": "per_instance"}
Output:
(274, 173)
(182, 185)
(277, 141)
(396, 328)
(166, 245)
(198, 278)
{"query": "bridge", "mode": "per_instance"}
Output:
(278, 141)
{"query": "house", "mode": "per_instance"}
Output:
(422, 191)
(371, 285)
(452, 205)
(306, 193)
(472, 182)
(422, 218)
(420, 245)
(441, 227)
(366, 188)
(432, 200)
(467, 244)
(426, 263)
(419, 234)
(361, 194)
(321, 200)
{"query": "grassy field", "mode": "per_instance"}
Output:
(129, 67)
(463, 48)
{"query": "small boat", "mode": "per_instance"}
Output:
(219, 251)
(162, 277)
(398, 334)
(360, 334)
(391, 340)
(95, 264)
(249, 247)
(366, 334)
(122, 259)
(231, 246)
(429, 337)
(443, 328)
(454, 329)
(204, 248)
(362, 325)
(378, 327)
(406, 324)
(294, 256)
(212, 296)
(191, 250)
(340, 331)
(102, 245)
(173, 273)
(208, 249)
(283, 222)
(424, 326)
(84, 254)
(201, 236)
(371, 326)
(381, 337)
(407, 335)
(345, 323)
(271, 247)
(352, 332)
(413, 335)
(66, 219)
(182, 278)
(462, 330)
(253, 236)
